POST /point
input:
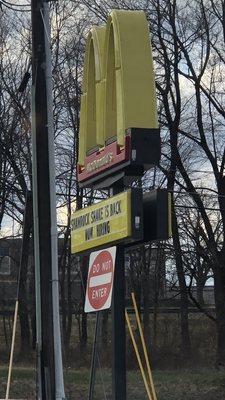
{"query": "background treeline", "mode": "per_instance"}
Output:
(188, 40)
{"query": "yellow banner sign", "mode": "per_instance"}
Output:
(104, 222)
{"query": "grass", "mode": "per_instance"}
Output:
(202, 384)
(173, 379)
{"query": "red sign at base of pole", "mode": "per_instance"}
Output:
(100, 280)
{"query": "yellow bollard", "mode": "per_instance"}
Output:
(144, 348)
(138, 356)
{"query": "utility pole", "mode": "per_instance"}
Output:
(50, 384)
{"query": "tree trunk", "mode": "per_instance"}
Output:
(219, 290)
(156, 298)
(84, 271)
(22, 280)
(147, 286)
(185, 336)
(23, 309)
(146, 310)
(69, 302)
(200, 289)
(104, 328)
(63, 301)
(32, 298)
(24, 329)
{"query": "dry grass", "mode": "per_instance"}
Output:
(174, 380)
(201, 384)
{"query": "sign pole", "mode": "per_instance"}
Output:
(94, 357)
(118, 319)
(118, 328)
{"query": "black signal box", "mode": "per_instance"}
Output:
(157, 215)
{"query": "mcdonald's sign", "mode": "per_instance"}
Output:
(118, 119)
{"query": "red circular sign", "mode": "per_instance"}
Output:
(100, 280)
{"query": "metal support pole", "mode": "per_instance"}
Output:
(94, 357)
(118, 318)
(119, 330)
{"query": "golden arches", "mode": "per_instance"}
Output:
(118, 82)
(91, 99)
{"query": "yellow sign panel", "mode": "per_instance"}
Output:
(118, 82)
(104, 222)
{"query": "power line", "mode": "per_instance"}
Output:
(198, 194)
(192, 171)
(196, 208)
(195, 193)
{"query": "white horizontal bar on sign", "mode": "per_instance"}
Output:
(100, 279)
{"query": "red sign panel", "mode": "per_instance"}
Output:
(100, 280)
(105, 159)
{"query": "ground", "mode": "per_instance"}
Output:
(201, 384)
(175, 379)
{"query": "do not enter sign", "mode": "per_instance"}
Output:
(100, 280)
